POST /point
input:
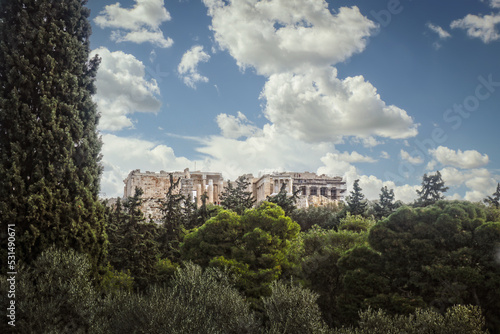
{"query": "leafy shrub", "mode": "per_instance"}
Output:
(55, 294)
(326, 217)
(198, 302)
(292, 309)
(458, 319)
(356, 223)
(113, 280)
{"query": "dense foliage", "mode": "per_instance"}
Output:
(133, 248)
(386, 204)
(284, 200)
(432, 190)
(356, 202)
(432, 269)
(49, 145)
(237, 197)
(457, 320)
(254, 245)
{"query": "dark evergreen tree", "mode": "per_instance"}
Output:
(132, 241)
(205, 211)
(494, 200)
(178, 214)
(285, 201)
(386, 204)
(432, 190)
(356, 203)
(237, 198)
(49, 145)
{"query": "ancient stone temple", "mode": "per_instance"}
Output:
(155, 186)
(315, 190)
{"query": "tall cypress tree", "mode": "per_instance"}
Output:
(356, 203)
(49, 145)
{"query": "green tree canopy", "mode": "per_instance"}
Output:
(237, 198)
(432, 190)
(49, 144)
(327, 216)
(132, 244)
(293, 310)
(254, 246)
(436, 256)
(284, 200)
(54, 294)
(356, 203)
(197, 301)
(386, 204)
(322, 250)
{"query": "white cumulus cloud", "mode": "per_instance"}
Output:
(141, 154)
(266, 150)
(480, 26)
(466, 160)
(276, 36)
(317, 106)
(188, 67)
(443, 34)
(414, 160)
(122, 89)
(335, 165)
(495, 3)
(235, 126)
(479, 182)
(295, 44)
(138, 24)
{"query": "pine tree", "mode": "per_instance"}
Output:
(356, 203)
(494, 200)
(237, 198)
(386, 204)
(176, 209)
(285, 201)
(132, 241)
(432, 189)
(49, 145)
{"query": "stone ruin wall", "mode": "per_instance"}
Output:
(314, 190)
(156, 185)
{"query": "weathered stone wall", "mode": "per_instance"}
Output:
(315, 190)
(156, 185)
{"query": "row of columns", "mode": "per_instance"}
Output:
(309, 190)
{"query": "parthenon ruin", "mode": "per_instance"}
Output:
(313, 190)
(156, 185)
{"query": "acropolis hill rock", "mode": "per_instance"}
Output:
(313, 190)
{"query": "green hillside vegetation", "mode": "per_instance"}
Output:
(82, 266)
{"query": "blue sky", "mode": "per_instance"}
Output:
(381, 91)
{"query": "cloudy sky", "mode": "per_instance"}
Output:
(377, 90)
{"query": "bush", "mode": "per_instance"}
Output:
(55, 295)
(292, 309)
(113, 281)
(458, 319)
(356, 223)
(326, 217)
(198, 302)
